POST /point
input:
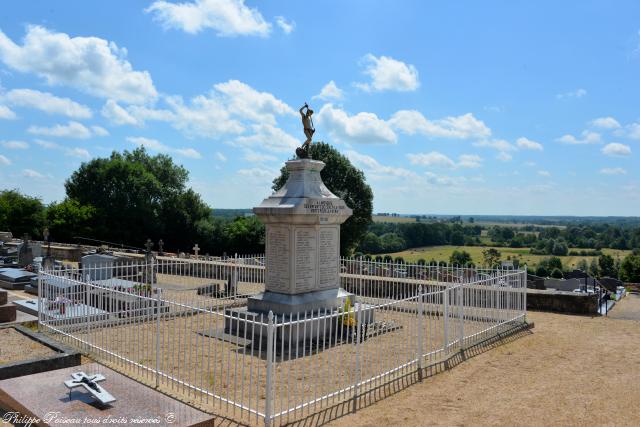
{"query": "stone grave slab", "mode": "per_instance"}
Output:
(136, 404)
(72, 312)
(15, 278)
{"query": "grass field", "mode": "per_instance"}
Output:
(383, 218)
(442, 253)
(396, 219)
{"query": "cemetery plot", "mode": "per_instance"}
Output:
(16, 347)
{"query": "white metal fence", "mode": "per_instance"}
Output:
(164, 323)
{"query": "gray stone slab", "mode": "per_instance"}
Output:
(281, 303)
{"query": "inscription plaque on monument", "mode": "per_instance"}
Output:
(328, 257)
(277, 257)
(306, 259)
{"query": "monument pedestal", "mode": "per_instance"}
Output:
(302, 260)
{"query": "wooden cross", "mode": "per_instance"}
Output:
(196, 249)
(148, 245)
(90, 383)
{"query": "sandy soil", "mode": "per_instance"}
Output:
(16, 347)
(569, 371)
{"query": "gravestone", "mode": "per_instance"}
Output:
(98, 266)
(27, 251)
(5, 236)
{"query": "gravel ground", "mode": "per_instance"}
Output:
(16, 347)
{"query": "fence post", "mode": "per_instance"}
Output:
(445, 312)
(158, 301)
(524, 308)
(356, 388)
(268, 409)
(461, 313)
(86, 306)
(40, 301)
(420, 331)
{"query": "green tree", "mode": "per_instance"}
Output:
(347, 182)
(491, 257)
(630, 268)
(460, 258)
(21, 214)
(556, 273)
(69, 219)
(606, 265)
(541, 271)
(137, 196)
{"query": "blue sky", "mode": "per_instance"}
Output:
(449, 108)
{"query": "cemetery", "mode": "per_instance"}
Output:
(267, 339)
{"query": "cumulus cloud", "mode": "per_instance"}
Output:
(268, 137)
(78, 152)
(616, 149)
(435, 158)
(605, 123)
(389, 74)
(155, 145)
(329, 92)
(364, 128)
(588, 137)
(220, 156)
(4, 160)
(117, 115)
(90, 64)
(374, 167)
(496, 144)
(462, 127)
(228, 18)
(70, 130)
(613, 171)
(15, 145)
(527, 144)
(6, 113)
(443, 180)
(253, 156)
(47, 102)
(259, 174)
(503, 156)
(544, 173)
(286, 26)
(244, 101)
(578, 93)
(633, 131)
(30, 173)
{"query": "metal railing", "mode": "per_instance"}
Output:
(169, 322)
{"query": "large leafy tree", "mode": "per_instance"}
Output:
(69, 219)
(630, 267)
(347, 182)
(138, 196)
(21, 214)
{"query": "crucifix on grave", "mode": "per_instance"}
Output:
(90, 383)
(160, 247)
(148, 245)
(196, 249)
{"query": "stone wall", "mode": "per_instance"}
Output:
(561, 302)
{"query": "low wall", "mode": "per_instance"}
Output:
(561, 302)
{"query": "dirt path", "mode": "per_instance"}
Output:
(628, 308)
(570, 371)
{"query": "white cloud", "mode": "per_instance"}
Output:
(155, 145)
(6, 113)
(202, 116)
(443, 180)
(330, 91)
(80, 153)
(588, 137)
(504, 156)
(530, 164)
(46, 144)
(30, 173)
(71, 130)
(256, 157)
(4, 160)
(90, 64)
(527, 144)
(496, 144)
(389, 74)
(613, 171)
(261, 174)
(247, 103)
(99, 131)
(15, 145)
(633, 131)
(47, 102)
(268, 137)
(365, 128)
(463, 127)
(117, 115)
(433, 158)
(544, 173)
(286, 26)
(605, 123)
(469, 161)
(578, 93)
(616, 149)
(220, 156)
(371, 165)
(227, 18)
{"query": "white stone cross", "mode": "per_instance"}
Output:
(90, 383)
(196, 249)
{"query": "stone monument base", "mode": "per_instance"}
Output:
(307, 325)
(282, 304)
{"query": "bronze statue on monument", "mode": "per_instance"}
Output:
(307, 123)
